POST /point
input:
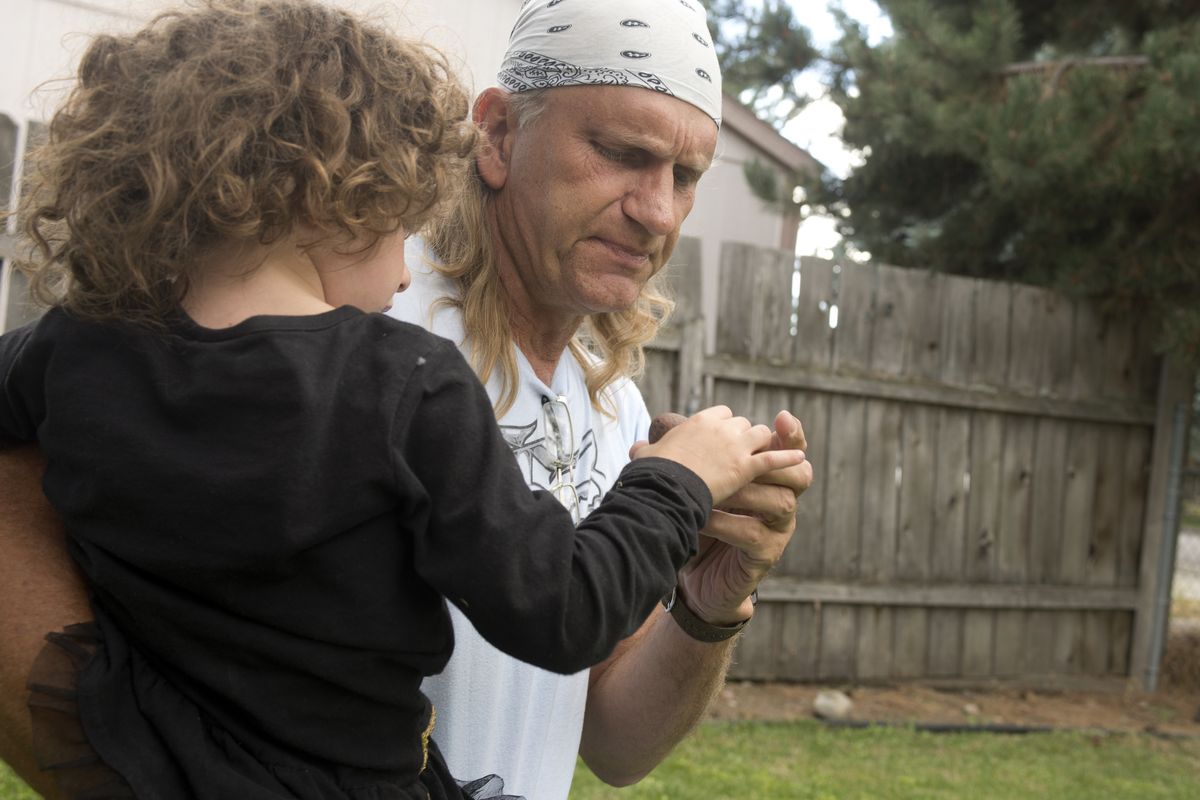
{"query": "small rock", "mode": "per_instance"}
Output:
(971, 710)
(832, 704)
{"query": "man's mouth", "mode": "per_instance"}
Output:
(631, 256)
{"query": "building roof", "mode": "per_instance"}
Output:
(763, 136)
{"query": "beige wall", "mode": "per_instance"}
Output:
(41, 39)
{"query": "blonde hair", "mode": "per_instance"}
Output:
(236, 121)
(608, 346)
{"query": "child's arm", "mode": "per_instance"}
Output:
(512, 560)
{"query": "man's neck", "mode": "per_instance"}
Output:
(543, 344)
(542, 332)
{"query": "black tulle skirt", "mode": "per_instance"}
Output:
(62, 747)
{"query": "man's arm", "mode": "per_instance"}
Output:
(40, 591)
(659, 682)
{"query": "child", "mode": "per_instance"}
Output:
(270, 490)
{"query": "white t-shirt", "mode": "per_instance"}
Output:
(495, 714)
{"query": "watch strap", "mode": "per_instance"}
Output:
(695, 627)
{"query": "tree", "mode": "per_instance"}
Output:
(762, 48)
(1055, 142)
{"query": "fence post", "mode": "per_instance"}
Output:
(1161, 525)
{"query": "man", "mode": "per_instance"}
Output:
(608, 118)
(582, 192)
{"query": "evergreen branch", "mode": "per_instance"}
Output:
(1060, 66)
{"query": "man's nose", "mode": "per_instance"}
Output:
(651, 202)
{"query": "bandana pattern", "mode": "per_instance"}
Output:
(661, 45)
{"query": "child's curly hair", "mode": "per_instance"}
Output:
(236, 121)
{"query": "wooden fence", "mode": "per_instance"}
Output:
(990, 462)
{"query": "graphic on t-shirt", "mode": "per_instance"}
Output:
(535, 457)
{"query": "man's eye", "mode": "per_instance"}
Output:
(619, 156)
(685, 178)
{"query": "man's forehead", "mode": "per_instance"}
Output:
(634, 117)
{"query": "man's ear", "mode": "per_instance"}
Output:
(494, 115)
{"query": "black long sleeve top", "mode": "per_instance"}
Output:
(269, 517)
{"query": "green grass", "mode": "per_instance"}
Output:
(12, 787)
(1191, 514)
(806, 761)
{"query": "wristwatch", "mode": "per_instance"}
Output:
(697, 628)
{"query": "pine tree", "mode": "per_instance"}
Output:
(1055, 142)
(762, 48)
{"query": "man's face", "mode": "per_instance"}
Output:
(596, 189)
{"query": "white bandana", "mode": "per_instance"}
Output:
(662, 45)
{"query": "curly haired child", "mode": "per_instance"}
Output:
(272, 489)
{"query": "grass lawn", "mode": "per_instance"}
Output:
(803, 760)
(12, 788)
(1191, 514)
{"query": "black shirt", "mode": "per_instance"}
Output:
(269, 517)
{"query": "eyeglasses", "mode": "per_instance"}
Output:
(558, 445)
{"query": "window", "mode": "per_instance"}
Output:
(16, 306)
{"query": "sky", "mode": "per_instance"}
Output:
(817, 129)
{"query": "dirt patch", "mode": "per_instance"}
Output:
(1173, 709)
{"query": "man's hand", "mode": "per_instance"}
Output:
(40, 591)
(752, 528)
(658, 683)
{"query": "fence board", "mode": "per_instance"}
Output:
(855, 299)
(1039, 361)
(756, 654)
(1042, 326)
(945, 642)
(736, 325)
(658, 381)
(1049, 646)
(992, 319)
(958, 322)
(683, 276)
(1079, 503)
(1012, 537)
(844, 485)
(839, 642)
(918, 471)
(874, 653)
(949, 541)
(799, 643)
(774, 305)
(814, 337)
(1009, 658)
(805, 553)
(1102, 547)
(978, 629)
(1049, 484)
(910, 640)
(881, 490)
(1097, 634)
(1135, 482)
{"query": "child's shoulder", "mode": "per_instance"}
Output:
(401, 341)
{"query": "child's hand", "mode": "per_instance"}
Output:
(719, 447)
